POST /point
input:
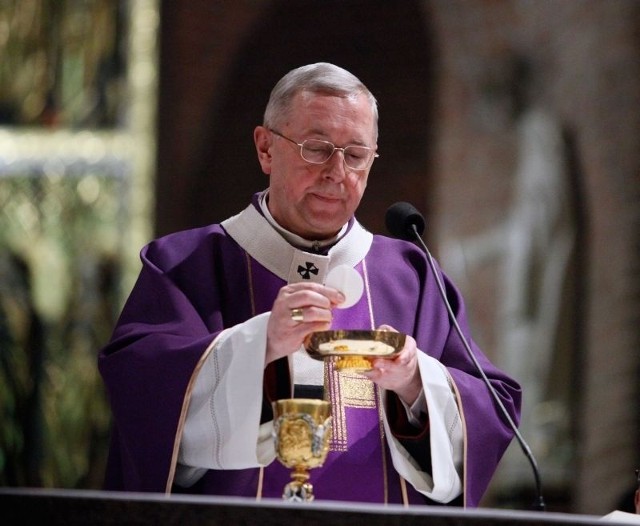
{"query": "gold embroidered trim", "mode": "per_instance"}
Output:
(253, 313)
(367, 289)
(183, 416)
(250, 279)
(383, 451)
(403, 488)
(464, 441)
(260, 481)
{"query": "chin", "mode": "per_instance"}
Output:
(325, 231)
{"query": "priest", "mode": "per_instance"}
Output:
(213, 331)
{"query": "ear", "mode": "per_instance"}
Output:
(263, 138)
(637, 501)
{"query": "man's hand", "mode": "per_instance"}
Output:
(299, 309)
(400, 373)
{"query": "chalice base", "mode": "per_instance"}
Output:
(299, 489)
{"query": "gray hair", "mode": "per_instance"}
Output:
(321, 77)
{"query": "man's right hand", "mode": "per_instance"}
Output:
(312, 303)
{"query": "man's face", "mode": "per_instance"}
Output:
(311, 200)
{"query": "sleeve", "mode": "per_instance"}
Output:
(408, 295)
(166, 325)
(222, 428)
(486, 432)
(443, 482)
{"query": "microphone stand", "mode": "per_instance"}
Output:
(538, 504)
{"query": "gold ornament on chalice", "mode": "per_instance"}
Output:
(301, 431)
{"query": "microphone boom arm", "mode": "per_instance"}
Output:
(539, 503)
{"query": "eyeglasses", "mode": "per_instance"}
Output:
(315, 151)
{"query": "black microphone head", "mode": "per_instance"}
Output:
(401, 218)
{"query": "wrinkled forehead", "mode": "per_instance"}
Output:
(318, 108)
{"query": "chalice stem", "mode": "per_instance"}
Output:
(300, 474)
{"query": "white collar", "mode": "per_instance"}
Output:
(254, 233)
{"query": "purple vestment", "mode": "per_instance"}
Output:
(193, 284)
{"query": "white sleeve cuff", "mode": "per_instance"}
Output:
(222, 428)
(446, 437)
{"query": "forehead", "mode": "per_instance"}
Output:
(324, 113)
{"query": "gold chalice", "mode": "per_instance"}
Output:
(301, 431)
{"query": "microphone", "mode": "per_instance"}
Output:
(405, 222)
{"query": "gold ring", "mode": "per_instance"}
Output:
(297, 315)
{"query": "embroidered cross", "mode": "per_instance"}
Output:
(307, 270)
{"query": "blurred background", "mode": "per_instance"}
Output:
(513, 125)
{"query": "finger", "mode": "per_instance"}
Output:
(303, 294)
(379, 367)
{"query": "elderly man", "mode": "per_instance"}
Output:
(212, 334)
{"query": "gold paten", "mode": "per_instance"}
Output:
(352, 350)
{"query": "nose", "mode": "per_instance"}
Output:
(336, 167)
